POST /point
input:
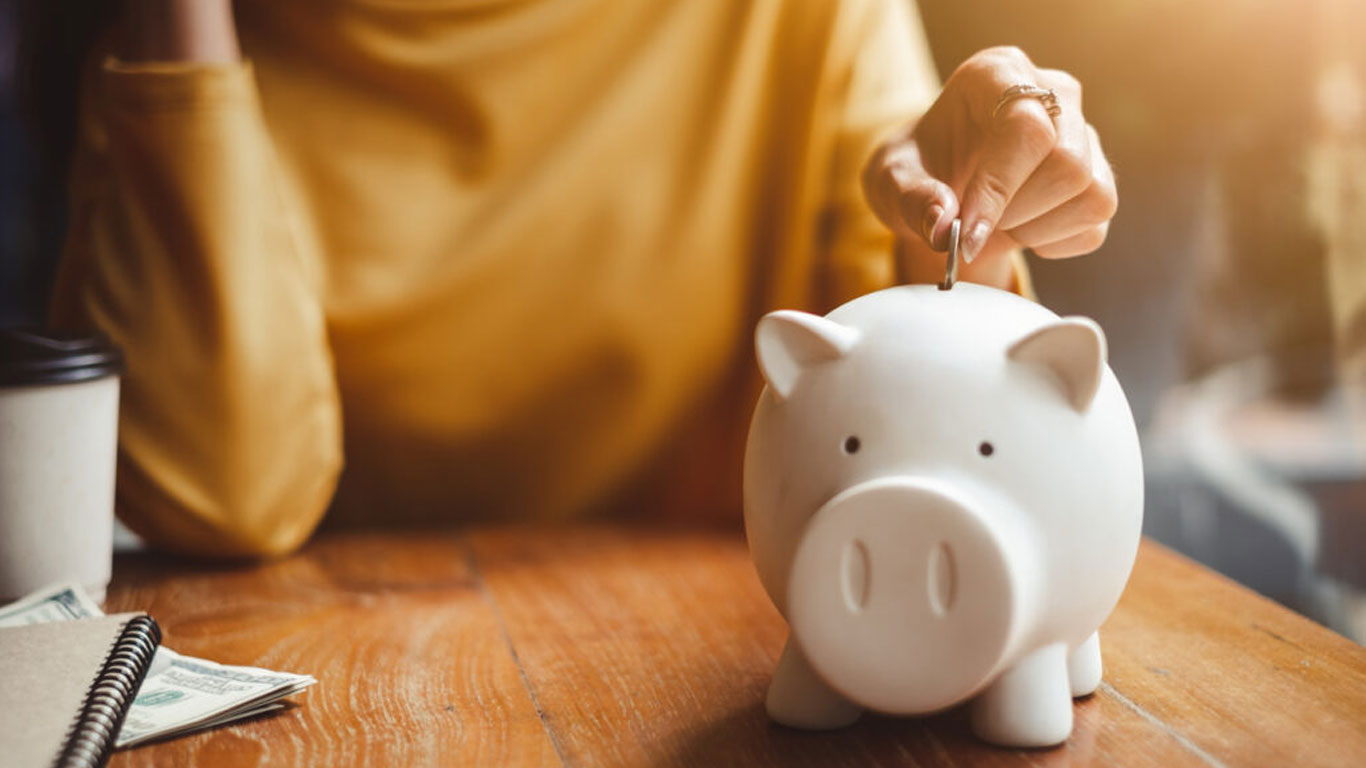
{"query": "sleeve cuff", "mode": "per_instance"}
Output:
(176, 85)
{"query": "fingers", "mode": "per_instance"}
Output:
(907, 199)
(1017, 140)
(1076, 222)
(1022, 175)
(1077, 245)
(1066, 171)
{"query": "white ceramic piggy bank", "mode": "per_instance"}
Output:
(943, 496)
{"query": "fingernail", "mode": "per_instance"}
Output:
(932, 217)
(974, 240)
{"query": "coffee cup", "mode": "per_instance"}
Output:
(59, 404)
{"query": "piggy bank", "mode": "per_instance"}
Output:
(943, 497)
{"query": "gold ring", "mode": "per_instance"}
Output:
(1046, 96)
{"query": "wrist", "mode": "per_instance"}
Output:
(191, 31)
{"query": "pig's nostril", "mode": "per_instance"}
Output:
(941, 578)
(857, 573)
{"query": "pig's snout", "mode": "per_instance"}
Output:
(903, 594)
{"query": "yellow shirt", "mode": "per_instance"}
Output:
(505, 258)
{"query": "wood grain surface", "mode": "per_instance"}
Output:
(611, 646)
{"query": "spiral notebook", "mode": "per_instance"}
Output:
(66, 686)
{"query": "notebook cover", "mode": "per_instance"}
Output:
(46, 673)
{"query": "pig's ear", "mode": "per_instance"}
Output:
(789, 342)
(1073, 348)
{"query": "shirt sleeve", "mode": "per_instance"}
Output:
(885, 80)
(185, 250)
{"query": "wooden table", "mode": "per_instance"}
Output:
(610, 646)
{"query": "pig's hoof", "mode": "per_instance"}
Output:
(1083, 667)
(798, 698)
(1028, 706)
(811, 713)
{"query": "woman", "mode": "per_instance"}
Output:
(505, 258)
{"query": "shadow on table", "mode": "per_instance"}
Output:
(746, 737)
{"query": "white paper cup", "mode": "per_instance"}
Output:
(59, 404)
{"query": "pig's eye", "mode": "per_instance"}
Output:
(851, 444)
(986, 449)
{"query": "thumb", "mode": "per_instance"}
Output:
(907, 198)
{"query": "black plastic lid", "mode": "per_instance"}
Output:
(38, 356)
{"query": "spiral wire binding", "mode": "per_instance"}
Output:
(92, 735)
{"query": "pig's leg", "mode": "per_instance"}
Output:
(1083, 666)
(1030, 705)
(798, 698)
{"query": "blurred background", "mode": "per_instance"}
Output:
(1232, 288)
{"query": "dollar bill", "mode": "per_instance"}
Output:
(180, 694)
(58, 603)
(183, 694)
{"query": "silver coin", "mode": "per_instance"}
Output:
(951, 267)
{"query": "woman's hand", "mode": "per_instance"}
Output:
(1016, 178)
(190, 31)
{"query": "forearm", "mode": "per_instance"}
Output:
(188, 31)
(185, 250)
